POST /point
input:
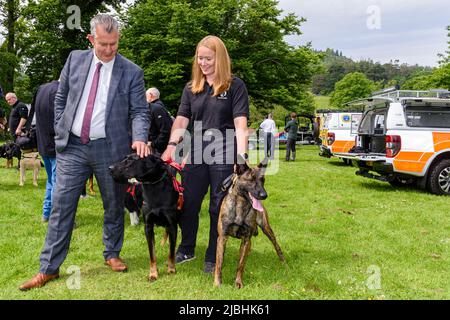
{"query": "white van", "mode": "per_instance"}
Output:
(404, 139)
(338, 132)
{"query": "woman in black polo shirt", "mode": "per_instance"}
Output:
(215, 106)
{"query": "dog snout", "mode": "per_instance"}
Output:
(262, 195)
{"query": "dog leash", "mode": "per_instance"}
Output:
(176, 184)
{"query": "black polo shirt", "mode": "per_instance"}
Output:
(19, 111)
(215, 112)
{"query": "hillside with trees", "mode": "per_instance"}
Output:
(161, 35)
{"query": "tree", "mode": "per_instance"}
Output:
(161, 35)
(445, 58)
(9, 12)
(55, 28)
(353, 86)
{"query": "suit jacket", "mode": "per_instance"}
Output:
(127, 118)
(44, 106)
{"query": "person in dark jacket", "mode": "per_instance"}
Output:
(291, 128)
(43, 106)
(18, 116)
(160, 122)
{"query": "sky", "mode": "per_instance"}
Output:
(411, 31)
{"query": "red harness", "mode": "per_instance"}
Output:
(132, 191)
(176, 184)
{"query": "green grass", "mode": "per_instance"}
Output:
(339, 233)
(322, 102)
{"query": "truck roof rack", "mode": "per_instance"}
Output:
(394, 95)
(397, 95)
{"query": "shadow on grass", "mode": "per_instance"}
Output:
(386, 187)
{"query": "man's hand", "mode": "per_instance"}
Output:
(141, 148)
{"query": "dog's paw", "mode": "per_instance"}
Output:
(239, 284)
(171, 270)
(153, 277)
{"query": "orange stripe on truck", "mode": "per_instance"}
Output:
(411, 161)
(342, 145)
(441, 141)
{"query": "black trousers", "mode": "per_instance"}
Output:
(290, 147)
(196, 178)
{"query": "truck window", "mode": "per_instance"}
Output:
(373, 122)
(356, 118)
(428, 116)
(378, 124)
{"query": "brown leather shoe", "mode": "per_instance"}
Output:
(117, 265)
(38, 281)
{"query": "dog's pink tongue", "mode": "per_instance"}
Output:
(256, 204)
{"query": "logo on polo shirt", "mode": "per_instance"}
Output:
(223, 96)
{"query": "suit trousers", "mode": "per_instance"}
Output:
(74, 166)
(196, 178)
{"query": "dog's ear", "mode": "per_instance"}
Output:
(241, 168)
(263, 165)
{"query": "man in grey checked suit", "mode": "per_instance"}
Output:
(100, 115)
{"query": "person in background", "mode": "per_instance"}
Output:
(291, 128)
(43, 106)
(160, 122)
(269, 128)
(18, 116)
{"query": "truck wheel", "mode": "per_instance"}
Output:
(439, 178)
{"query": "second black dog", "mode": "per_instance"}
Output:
(160, 201)
(9, 151)
(134, 201)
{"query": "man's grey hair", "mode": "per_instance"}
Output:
(10, 95)
(108, 22)
(154, 92)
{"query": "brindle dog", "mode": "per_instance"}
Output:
(160, 201)
(240, 215)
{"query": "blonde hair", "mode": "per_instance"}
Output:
(222, 79)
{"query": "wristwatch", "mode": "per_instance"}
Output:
(244, 156)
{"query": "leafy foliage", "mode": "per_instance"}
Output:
(336, 66)
(353, 86)
(48, 40)
(161, 36)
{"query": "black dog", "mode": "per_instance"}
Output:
(160, 201)
(9, 151)
(133, 202)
